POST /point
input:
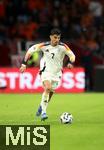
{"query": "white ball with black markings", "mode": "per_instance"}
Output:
(66, 118)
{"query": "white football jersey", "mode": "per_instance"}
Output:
(53, 56)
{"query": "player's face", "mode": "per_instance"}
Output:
(54, 39)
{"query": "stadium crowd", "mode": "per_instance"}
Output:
(81, 22)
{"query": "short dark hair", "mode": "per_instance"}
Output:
(55, 31)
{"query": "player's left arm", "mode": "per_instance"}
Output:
(71, 56)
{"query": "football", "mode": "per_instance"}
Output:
(66, 118)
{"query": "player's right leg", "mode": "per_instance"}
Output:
(45, 99)
(38, 113)
(49, 87)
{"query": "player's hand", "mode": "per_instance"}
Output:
(22, 68)
(70, 66)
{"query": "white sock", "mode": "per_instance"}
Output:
(44, 102)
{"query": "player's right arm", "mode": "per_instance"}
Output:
(28, 54)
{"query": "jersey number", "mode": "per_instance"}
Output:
(53, 55)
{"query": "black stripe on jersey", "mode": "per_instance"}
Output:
(42, 70)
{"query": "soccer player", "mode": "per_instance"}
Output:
(51, 66)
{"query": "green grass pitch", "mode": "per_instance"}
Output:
(85, 133)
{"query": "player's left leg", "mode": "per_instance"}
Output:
(50, 95)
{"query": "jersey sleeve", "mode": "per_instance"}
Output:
(69, 53)
(35, 48)
(31, 50)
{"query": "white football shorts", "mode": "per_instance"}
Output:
(55, 79)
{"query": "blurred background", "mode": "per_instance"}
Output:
(26, 22)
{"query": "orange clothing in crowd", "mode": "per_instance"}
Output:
(31, 27)
(36, 4)
(87, 20)
(2, 9)
(92, 44)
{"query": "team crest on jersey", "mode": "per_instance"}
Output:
(47, 50)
